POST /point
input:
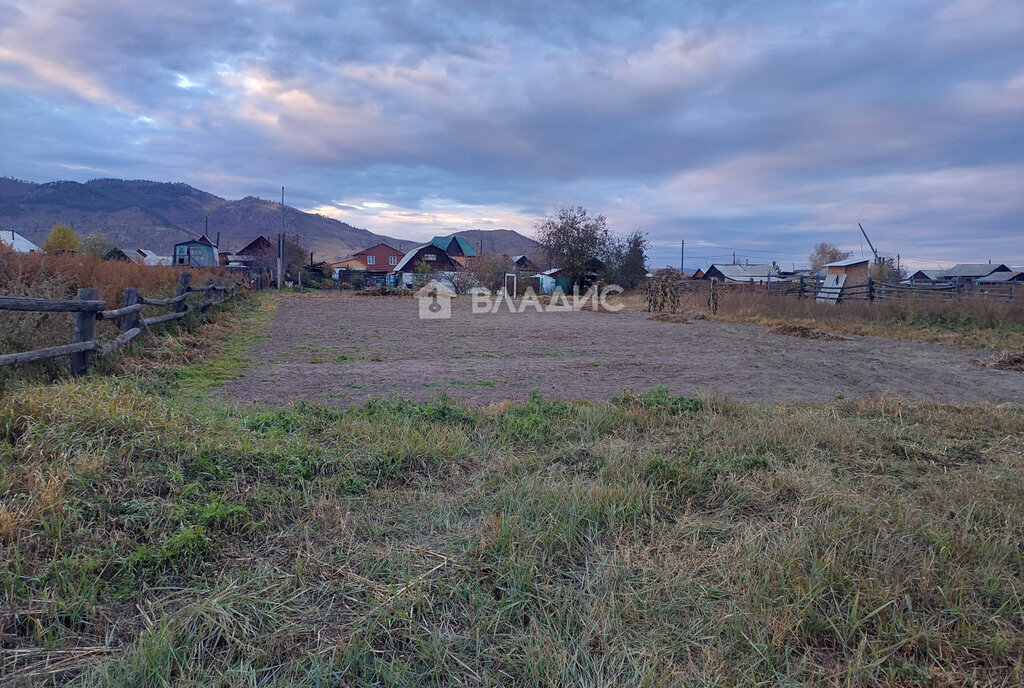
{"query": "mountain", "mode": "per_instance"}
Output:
(157, 215)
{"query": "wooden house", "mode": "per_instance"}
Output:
(117, 254)
(430, 255)
(379, 258)
(457, 248)
(741, 274)
(843, 276)
(965, 274)
(197, 253)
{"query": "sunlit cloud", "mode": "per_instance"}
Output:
(722, 123)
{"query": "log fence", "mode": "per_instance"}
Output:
(874, 290)
(90, 309)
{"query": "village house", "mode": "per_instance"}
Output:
(965, 274)
(379, 258)
(196, 253)
(456, 248)
(428, 255)
(17, 242)
(150, 258)
(742, 274)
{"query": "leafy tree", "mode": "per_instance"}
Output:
(825, 253)
(574, 239)
(97, 244)
(62, 238)
(424, 272)
(626, 260)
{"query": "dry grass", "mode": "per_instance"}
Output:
(670, 318)
(60, 277)
(1008, 360)
(653, 540)
(148, 538)
(976, 323)
(805, 332)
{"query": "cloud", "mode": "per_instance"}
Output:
(762, 125)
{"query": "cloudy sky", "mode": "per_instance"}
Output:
(755, 126)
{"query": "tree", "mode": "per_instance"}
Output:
(295, 257)
(885, 269)
(574, 239)
(825, 253)
(424, 272)
(626, 260)
(62, 238)
(489, 271)
(97, 244)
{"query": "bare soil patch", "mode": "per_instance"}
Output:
(345, 350)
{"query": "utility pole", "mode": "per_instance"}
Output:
(280, 247)
(682, 255)
(206, 226)
(733, 257)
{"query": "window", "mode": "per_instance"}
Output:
(393, 260)
(429, 256)
(370, 260)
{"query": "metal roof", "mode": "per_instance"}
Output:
(744, 273)
(408, 257)
(17, 242)
(1007, 276)
(974, 270)
(846, 263)
(444, 243)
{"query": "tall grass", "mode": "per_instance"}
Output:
(60, 277)
(652, 540)
(968, 321)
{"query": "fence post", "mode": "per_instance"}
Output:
(85, 326)
(751, 284)
(802, 286)
(207, 295)
(130, 320)
(871, 289)
(184, 282)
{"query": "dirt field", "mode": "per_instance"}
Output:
(346, 350)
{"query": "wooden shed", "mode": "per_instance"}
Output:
(843, 275)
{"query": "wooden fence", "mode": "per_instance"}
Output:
(874, 290)
(88, 308)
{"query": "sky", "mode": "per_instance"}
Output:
(736, 125)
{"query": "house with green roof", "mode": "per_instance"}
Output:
(457, 248)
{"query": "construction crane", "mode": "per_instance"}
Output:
(877, 259)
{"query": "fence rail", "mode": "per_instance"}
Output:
(89, 309)
(874, 290)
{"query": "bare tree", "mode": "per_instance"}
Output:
(489, 271)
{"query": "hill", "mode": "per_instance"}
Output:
(156, 215)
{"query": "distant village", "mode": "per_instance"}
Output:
(445, 256)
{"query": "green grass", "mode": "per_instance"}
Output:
(150, 539)
(150, 536)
